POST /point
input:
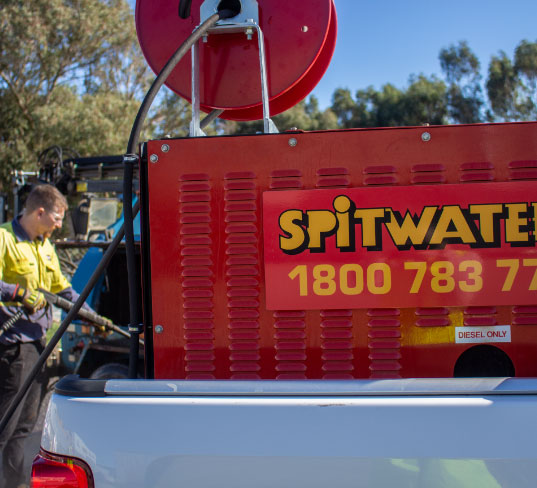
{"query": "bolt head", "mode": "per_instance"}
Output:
(153, 158)
(426, 137)
(292, 142)
(165, 148)
(159, 329)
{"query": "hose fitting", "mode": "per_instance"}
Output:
(228, 9)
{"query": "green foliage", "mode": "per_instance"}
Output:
(423, 102)
(464, 94)
(459, 62)
(512, 84)
(526, 62)
(347, 110)
(306, 115)
(511, 87)
(502, 86)
(69, 74)
(173, 116)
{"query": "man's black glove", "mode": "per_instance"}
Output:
(32, 300)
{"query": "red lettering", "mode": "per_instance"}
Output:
(496, 333)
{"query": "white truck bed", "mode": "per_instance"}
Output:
(276, 434)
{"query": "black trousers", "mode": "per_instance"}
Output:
(16, 361)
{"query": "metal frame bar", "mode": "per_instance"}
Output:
(223, 27)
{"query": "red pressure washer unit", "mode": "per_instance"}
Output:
(382, 253)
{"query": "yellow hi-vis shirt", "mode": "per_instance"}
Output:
(30, 264)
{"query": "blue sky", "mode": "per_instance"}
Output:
(381, 41)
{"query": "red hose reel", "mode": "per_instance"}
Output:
(299, 40)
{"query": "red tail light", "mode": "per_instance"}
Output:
(52, 471)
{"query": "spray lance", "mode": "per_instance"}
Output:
(92, 318)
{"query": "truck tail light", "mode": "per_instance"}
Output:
(52, 471)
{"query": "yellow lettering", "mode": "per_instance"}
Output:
(486, 213)
(514, 222)
(532, 263)
(385, 272)
(452, 218)
(408, 230)
(369, 217)
(474, 281)
(324, 283)
(342, 204)
(513, 265)
(302, 272)
(321, 223)
(421, 268)
(295, 235)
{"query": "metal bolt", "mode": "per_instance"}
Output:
(153, 158)
(292, 142)
(304, 28)
(426, 137)
(165, 148)
(249, 33)
(204, 38)
(159, 329)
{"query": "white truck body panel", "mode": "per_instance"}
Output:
(404, 433)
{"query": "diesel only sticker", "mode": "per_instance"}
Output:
(471, 335)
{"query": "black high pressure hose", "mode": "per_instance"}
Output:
(126, 229)
(135, 321)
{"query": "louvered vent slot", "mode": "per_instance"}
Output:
(242, 274)
(333, 178)
(380, 175)
(523, 170)
(286, 179)
(428, 174)
(480, 171)
(290, 344)
(432, 317)
(480, 316)
(384, 342)
(525, 315)
(336, 325)
(337, 340)
(289, 325)
(197, 276)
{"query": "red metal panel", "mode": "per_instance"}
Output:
(208, 272)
